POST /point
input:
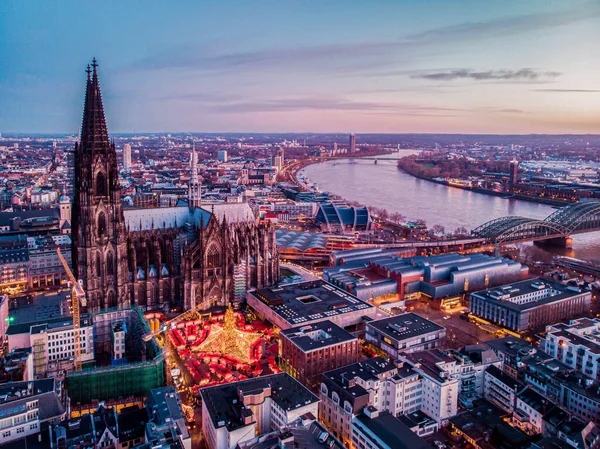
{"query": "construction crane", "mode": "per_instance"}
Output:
(77, 300)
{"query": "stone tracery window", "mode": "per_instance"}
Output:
(213, 257)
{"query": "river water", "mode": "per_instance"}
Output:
(383, 185)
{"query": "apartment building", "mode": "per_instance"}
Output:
(576, 344)
(235, 412)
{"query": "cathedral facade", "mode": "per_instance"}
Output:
(157, 258)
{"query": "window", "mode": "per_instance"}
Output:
(213, 257)
(101, 224)
(100, 184)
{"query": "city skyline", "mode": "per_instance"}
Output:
(392, 67)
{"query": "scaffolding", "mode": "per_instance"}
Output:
(145, 371)
(39, 358)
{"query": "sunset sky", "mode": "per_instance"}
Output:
(392, 66)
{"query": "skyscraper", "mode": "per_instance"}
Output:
(126, 156)
(352, 146)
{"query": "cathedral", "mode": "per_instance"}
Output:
(193, 256)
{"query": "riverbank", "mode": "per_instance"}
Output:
(504, 195)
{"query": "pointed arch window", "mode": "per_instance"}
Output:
(98, 265)
(110, 264)
(213, 257)
(101, 184)
(101, 224)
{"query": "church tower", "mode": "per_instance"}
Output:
(194, 188)
(98, 229)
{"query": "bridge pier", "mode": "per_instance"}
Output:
(562, 242)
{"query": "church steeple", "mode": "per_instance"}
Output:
(195, 187)
(98, 226)
(94, 134)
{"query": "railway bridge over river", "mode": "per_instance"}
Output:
(557, 228)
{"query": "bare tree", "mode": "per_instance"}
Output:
(438, 229)
(397, 218)
(384, 214)
(460, 231)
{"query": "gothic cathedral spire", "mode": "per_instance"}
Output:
(195, 187)
(99, 241)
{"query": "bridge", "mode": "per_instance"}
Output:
(557, 228)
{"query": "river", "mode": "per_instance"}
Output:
(383, 185)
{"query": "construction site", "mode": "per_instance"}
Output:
(137, 372)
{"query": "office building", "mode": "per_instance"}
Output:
(529, 304)
(352, 143)
(235, 412)
(222, 156)
(576, 344)
(25, 407)
(52, 342)
(45, 267)
(406, 333)
(127, 156)
(306, 352)
(374, 429)
(14, 264)
(310, 302)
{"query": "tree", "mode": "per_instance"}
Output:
(461, 231)
(438, 229)
(397, 218)
(384, 214)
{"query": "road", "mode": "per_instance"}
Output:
(301, 271)
(459, 333)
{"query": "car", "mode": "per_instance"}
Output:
(439, 445)
(447, 317)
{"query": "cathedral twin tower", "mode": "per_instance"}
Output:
(158, 257)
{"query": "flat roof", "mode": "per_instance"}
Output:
(505, 294)
(317, 335)
(405, 326)
(393, 432)
(227, 409)
(308, 301)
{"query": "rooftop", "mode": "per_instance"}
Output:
(225, 403)
(513, 295)
(317, 335)
(308, 301)
(405, 326)
(392, 431)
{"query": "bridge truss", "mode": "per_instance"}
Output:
(579, 217)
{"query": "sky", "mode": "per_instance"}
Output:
(364, 66)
